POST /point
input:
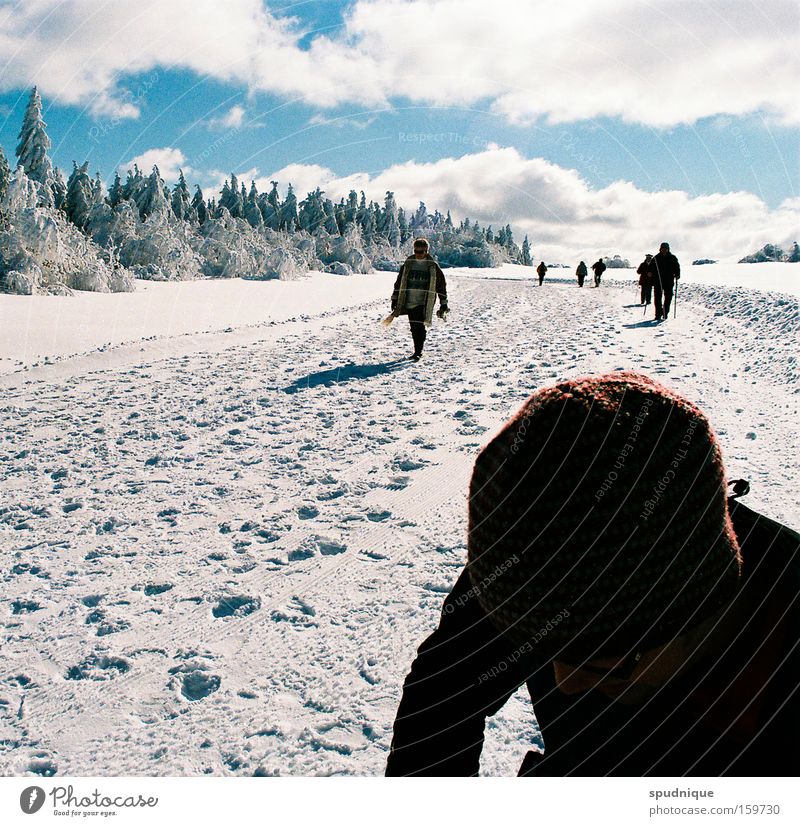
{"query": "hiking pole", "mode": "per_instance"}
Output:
(675, 305)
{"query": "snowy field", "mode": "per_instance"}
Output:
(223, 540)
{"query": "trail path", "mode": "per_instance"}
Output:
(219, 554)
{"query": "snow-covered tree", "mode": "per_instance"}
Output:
(5, 175)
(115, 192)
(527, 261)
(289, 218)
(181, 200)
(391, 226)
(80, 195)
(32, 148)
(152, 199)
(199, 205)
(252, 210)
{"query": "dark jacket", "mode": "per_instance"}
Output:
(599, 267)
(581, 270)
(541, 269)
(644, 272)
(441, 284)
(665, 269)
(742, 718)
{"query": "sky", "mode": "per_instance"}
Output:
(594, 127)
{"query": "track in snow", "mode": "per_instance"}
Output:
(222, 554)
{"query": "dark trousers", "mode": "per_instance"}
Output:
(647, 293)
(597, 279)
(416, 320)
(662, 306)
(580, 280)
(541, 279)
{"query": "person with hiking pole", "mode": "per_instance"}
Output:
(541, 271)
(665, 270)
(599, 268)
(581, 273)
(418, 283)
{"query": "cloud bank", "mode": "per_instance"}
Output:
(659, 63)
(564, 217)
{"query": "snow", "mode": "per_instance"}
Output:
(221, 547)
(39, 328)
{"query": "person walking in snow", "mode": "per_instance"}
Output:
(599, 268)
(658, 631)
(541, 271)
(645, 280)
(665, 271)
(581, 272)
(418, 283)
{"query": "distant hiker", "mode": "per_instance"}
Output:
(599, 268)
(645, 280)
(418, 283)
(658, 629)
(665, 271)
(541, 271)
(581, 272)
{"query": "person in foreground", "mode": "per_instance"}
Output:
(654, 619)
(418, 283)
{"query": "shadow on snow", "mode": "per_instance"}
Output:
(344, 373)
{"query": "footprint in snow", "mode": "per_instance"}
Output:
(235, 605)
(194, 679)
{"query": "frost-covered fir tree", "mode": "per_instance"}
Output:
(115, 192)
(527, 261)
(391, 226)
(181, 200)
(252, 210)
(289, 220)
(311, 215)
(152, 199)
(331, 224)
(134, 185)
(402, 222)
(80, 195)
(32, 149)
(199, 205)
(5, 176)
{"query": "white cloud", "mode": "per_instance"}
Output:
(169, 161)
(232, 119)
(341, 122)
(661, 63)
(563, 216)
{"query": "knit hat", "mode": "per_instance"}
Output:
(598, 520)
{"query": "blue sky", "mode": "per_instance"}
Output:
(358, 89)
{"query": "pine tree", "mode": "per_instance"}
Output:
(289, 219)
(402, 223)
(199, 205)
(311, 215)
(181, 202)
(527, 261)
(59, 187)
(252, 211)
(115, 192)
(98, 190)
(152, 199)
(32, 148)
(5, 175)
(331, 224)
(79, 195)
(391, 226)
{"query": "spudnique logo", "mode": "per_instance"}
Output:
(31, 799)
